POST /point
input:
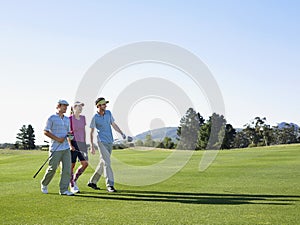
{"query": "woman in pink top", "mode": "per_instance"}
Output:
(78, 144)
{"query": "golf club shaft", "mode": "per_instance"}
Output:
(46, 161)
(42, 166)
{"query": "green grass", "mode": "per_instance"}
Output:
(248, 186)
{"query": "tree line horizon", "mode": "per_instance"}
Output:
(196, 133)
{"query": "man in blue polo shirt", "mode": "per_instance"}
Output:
(57, 129)
(103, 121)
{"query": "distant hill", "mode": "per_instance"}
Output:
(238, 129)
(283, 125)
(159, 134)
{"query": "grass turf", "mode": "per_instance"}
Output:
(248, 186)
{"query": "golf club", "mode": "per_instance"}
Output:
(69, 135)
(46, 160)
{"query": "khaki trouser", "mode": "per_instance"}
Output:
(63, 156)
(104, 166)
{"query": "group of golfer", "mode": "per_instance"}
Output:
(68, 144)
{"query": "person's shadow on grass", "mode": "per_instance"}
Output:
(192, 198)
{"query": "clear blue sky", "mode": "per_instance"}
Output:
(251, 47)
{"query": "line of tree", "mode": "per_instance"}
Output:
(197, 134)
(25, 138)
(259, 133)
(7, 146)
(149, 142)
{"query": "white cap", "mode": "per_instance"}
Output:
(78, 103)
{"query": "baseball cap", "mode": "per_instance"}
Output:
(78, 103)
(101, 101)
(62, 102)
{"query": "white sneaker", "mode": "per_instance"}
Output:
(75, 189)
(44, 189)
(68, 193)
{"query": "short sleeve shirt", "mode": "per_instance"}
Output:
(103, 126)
(60, 128)
(78, 128)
